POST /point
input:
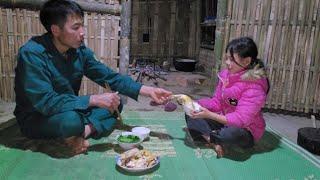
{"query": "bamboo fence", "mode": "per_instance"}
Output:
(17, 26)
(288, 37)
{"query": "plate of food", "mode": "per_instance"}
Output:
(136, 160)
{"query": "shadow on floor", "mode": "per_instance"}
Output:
(11, 137)
(268, 143)
(163, 136)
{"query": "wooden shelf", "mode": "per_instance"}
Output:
(206, 46)
(204, 24)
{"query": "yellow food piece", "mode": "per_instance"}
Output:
(182, 99)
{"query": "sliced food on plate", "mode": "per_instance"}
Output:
(137, 159)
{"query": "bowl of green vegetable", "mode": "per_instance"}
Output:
(128, 140)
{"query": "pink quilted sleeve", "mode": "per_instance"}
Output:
(213, 104)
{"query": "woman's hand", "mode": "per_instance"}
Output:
(108, 101)
(158, 95)
(204, 113)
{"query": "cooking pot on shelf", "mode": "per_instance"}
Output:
(184, 64)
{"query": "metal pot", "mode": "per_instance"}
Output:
(186, 65)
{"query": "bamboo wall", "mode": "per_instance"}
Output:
(19, 25)
(288, 36)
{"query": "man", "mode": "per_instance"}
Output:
(48, 77)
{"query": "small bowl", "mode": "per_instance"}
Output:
(142, 131)
(128, 145)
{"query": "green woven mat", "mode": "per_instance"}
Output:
(273, 157)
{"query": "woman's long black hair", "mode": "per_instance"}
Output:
(245, 47)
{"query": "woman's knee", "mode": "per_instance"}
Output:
(234, 136)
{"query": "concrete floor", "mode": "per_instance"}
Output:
(196, 86)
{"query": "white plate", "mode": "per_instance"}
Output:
(118, 162)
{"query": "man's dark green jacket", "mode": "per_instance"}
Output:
(48, 82)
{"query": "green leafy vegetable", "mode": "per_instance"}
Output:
(128, 138)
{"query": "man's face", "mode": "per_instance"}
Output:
(72, 33)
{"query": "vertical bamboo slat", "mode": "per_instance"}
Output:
(263, 46)
(287, 46)
(309, 42)
(2, 84)
(295, 31)
(238, 21)
(271, 59)
(248, 11)
(227, 27)
(300, 75)
(279, 52)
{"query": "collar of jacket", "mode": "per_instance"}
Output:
(46, 41)
(245, 75)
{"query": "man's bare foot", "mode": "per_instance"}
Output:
(78, 145)
(219, 150)
(88, 130)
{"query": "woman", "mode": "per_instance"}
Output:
(233, 117)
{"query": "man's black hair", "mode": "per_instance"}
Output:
(55, 12)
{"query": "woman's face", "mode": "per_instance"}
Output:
(236, 63)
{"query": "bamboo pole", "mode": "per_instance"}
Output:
(86, 6)
(1, 56)
(124, 38)
(220, 35)
(316, 87)
(198, 28)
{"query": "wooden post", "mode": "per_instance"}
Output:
(198, 30)
(155, 30)
(172, 29)
(220, 35)
(192, 29)
(125, 18)
(135, 29)
(86, 6)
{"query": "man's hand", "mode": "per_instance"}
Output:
(158, 95)
(108, 101)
